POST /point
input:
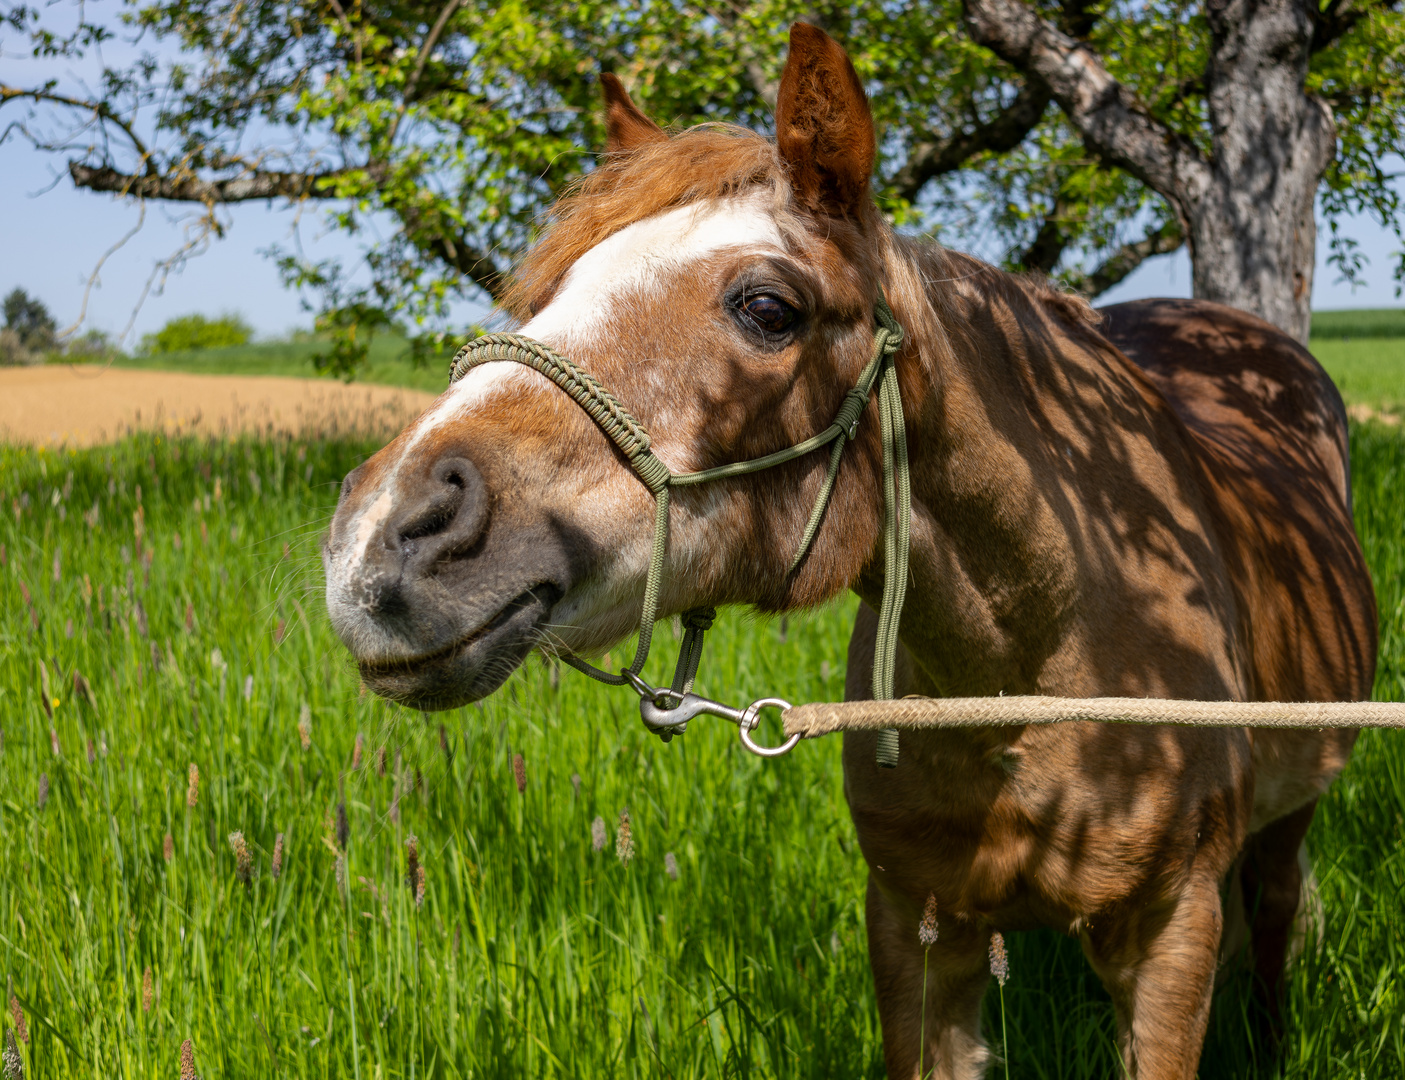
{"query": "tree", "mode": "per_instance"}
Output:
(1065, 136)
(29, 320)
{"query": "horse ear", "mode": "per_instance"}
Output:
(823, 126)
(626, 128)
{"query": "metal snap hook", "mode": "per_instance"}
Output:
(749, 720)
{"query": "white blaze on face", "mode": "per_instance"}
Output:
(643, 256)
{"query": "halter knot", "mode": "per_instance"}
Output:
(699, 618)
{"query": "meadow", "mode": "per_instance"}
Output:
(160, 618)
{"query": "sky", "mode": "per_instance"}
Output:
(52, 237)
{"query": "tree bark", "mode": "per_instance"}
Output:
(1247, 209)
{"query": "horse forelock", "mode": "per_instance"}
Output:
(704, 164)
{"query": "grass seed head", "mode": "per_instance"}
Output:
(519, 773)
(380, 762)
(597, 833)
(146, 992)
(168, 848)
(356, 751)
(243, 859)
(343, 826)
(54, 738)
(188, 1061)
(45, 695)
(670, 865)
(189, 618)
(624, 839)
(927, 928)
(11, 1061)
(192, 786)
(43, 789)
(278, 857)
(17, 1015)
(340, 870)
(999, 958)
(414, 876)
(576, 784)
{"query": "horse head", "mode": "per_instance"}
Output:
(723, 286)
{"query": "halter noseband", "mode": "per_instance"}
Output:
(633, 440)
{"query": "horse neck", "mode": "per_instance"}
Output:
(1006, 376)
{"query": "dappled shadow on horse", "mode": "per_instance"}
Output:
(1152, 504)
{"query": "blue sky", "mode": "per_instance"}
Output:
(52, 237)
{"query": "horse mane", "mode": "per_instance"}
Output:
(711, 161)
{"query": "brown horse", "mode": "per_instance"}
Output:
(1152, 501)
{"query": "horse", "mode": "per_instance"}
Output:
(1151, 500)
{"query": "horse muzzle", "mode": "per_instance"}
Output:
(437, 598)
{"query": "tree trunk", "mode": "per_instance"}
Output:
(1251, 229)
(1247, 208)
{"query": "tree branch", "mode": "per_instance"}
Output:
(927, 160)
(1049, 242)
(99, 109)
(191, 188)
(1160, 241)
(1113, 123)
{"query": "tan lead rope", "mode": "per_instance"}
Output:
(822, 718)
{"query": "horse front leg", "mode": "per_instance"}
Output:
(943, 1041)
(1158, 965)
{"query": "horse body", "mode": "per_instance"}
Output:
(1193, 540)
(1174, 524)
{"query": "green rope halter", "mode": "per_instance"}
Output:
(633, 440)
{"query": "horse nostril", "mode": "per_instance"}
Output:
(446, 512)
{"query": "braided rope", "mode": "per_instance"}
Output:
(915, 714)
(600, 405)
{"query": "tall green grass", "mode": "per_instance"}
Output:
(533, 953)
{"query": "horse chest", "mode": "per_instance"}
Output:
(1053, 825)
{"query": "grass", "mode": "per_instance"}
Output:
(1368, 371)
(533, 954)
(388, 362)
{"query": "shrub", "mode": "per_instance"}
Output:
(197, 332)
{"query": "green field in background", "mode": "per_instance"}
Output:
(388, 362)
(1352, 323)
(533, 954)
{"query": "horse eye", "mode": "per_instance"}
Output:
(769, 313)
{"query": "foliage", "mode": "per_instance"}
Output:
(440, 132)
(197, 626)
(197, 332)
